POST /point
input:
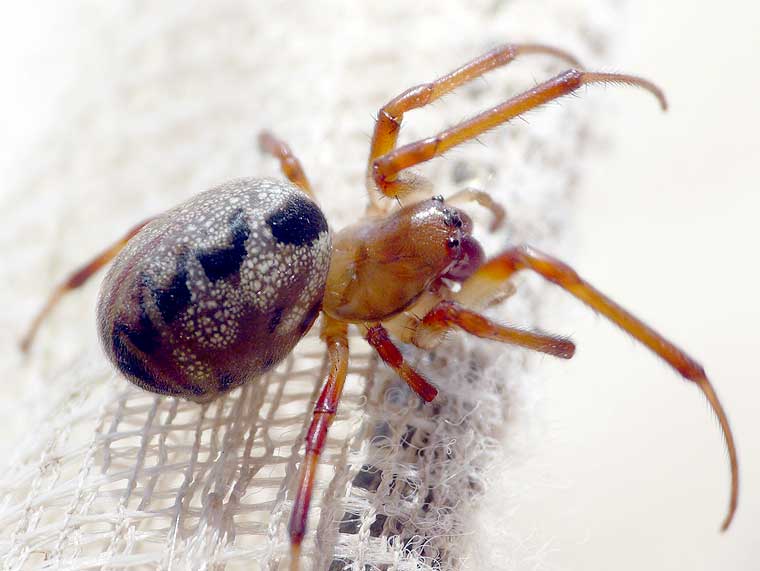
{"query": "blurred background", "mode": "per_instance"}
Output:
(627, 467)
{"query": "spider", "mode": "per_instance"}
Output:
(209, 295)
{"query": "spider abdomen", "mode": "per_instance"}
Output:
(217, 290)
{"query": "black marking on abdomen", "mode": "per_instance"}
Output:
(172, 300)
(129, 363)
(218, 264)
(276, 318)
(298, 222)
(144, 336)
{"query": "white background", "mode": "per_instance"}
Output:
(631, 473)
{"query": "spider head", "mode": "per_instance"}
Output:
(449, 231)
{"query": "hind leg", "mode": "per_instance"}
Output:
(75, 280)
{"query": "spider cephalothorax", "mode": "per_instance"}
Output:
(403, 253)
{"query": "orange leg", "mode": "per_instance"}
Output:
(75, 280)
(378, 337)
(502, 266)
(448, 314)
(289, 164)
(335, 336)
(385, 168)
(389, 117)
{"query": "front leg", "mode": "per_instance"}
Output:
(497, 270)
(391, 115)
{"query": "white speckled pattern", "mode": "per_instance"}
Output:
(216, 290)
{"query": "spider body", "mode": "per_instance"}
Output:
(216, 291)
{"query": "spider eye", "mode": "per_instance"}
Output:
(453, 242)
(437, 198)
(452, 218)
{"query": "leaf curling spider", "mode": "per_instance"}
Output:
(379, 274)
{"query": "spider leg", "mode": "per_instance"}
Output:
(385, 168)
(289, 163)
(378, 338)
(335, 335)
(449, 314)
(75, 280)
(485, 200)
(504, 265)
(391, 115)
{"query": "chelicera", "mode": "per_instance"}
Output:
(218, 290)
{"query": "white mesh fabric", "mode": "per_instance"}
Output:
(167, 102)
